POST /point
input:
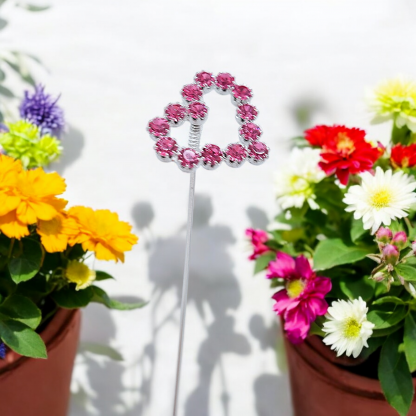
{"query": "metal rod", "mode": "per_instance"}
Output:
(193, 142)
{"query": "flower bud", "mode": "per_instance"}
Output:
(390, 254)
(379, 277)
(414, 247)
(400, 240)
(384, 235)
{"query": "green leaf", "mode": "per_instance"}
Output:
(316, 330)
(407, 272)
(99, 275)
(70, 298)
(100, 296)
(384, 317)
(27, 263)
(263, 261)
(20, 308)
(389, 299)
(373, 345)
(354, 288)
(357, 230)
(333, 252)
(394, 375)
(22, 339)
(377, 333)
(99, 349)
(410, 341)
(33, 7)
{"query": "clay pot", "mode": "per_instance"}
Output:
(36, 387)
(322, 388)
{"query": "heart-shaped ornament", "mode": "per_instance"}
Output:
(194, 110)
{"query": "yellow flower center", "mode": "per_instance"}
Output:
(352, 328)
(344, 144)
(381, 198)
(295, 287)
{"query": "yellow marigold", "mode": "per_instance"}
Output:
(55, 233)
(101, 231)
(12, 227)
(80, 274)
(9, 170)
(31, 198)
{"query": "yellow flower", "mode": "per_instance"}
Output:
(12, 227)
(102, 232)
(9, 170)
(55, 233)
(31, 198)
(80, 274)
(395, 99)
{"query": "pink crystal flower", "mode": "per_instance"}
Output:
(303, 299)
(258, 238)
(205, 79)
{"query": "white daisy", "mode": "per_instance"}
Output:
(347, 327)
(295, 181)
(381, 198)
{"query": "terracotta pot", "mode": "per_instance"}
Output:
(35, 387)
(322, 388)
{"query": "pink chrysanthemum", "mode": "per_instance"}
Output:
(258, 238)
(303, 299)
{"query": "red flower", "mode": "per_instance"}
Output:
(345, 151)
(403, 156)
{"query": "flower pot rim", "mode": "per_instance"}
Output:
(52, 334)
(325, 369)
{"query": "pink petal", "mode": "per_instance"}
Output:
(321, 286)
(303, 268)
(316, 307)
(282, 301)
(297, 322)
(283, 266)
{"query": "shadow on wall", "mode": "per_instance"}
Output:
(97, 387)
(72, 142)
(212, 285)
(271, 391)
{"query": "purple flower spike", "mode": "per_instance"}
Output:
(42, 110)
(2, 351)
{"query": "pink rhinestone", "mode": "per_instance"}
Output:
(242, 92)
(250, 131)
(188, 157)
(175, 112)
(236, 153)
(198, 110)
(224, 80)
(166, 146)
(211, 154)
(204, 79)
(258, 150)
(191, 92)
(159, 127)
(247, 112)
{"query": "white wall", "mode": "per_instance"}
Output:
(117, 64)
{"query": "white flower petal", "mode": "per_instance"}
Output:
(347, 327)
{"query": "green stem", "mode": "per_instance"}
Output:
(400, 135)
